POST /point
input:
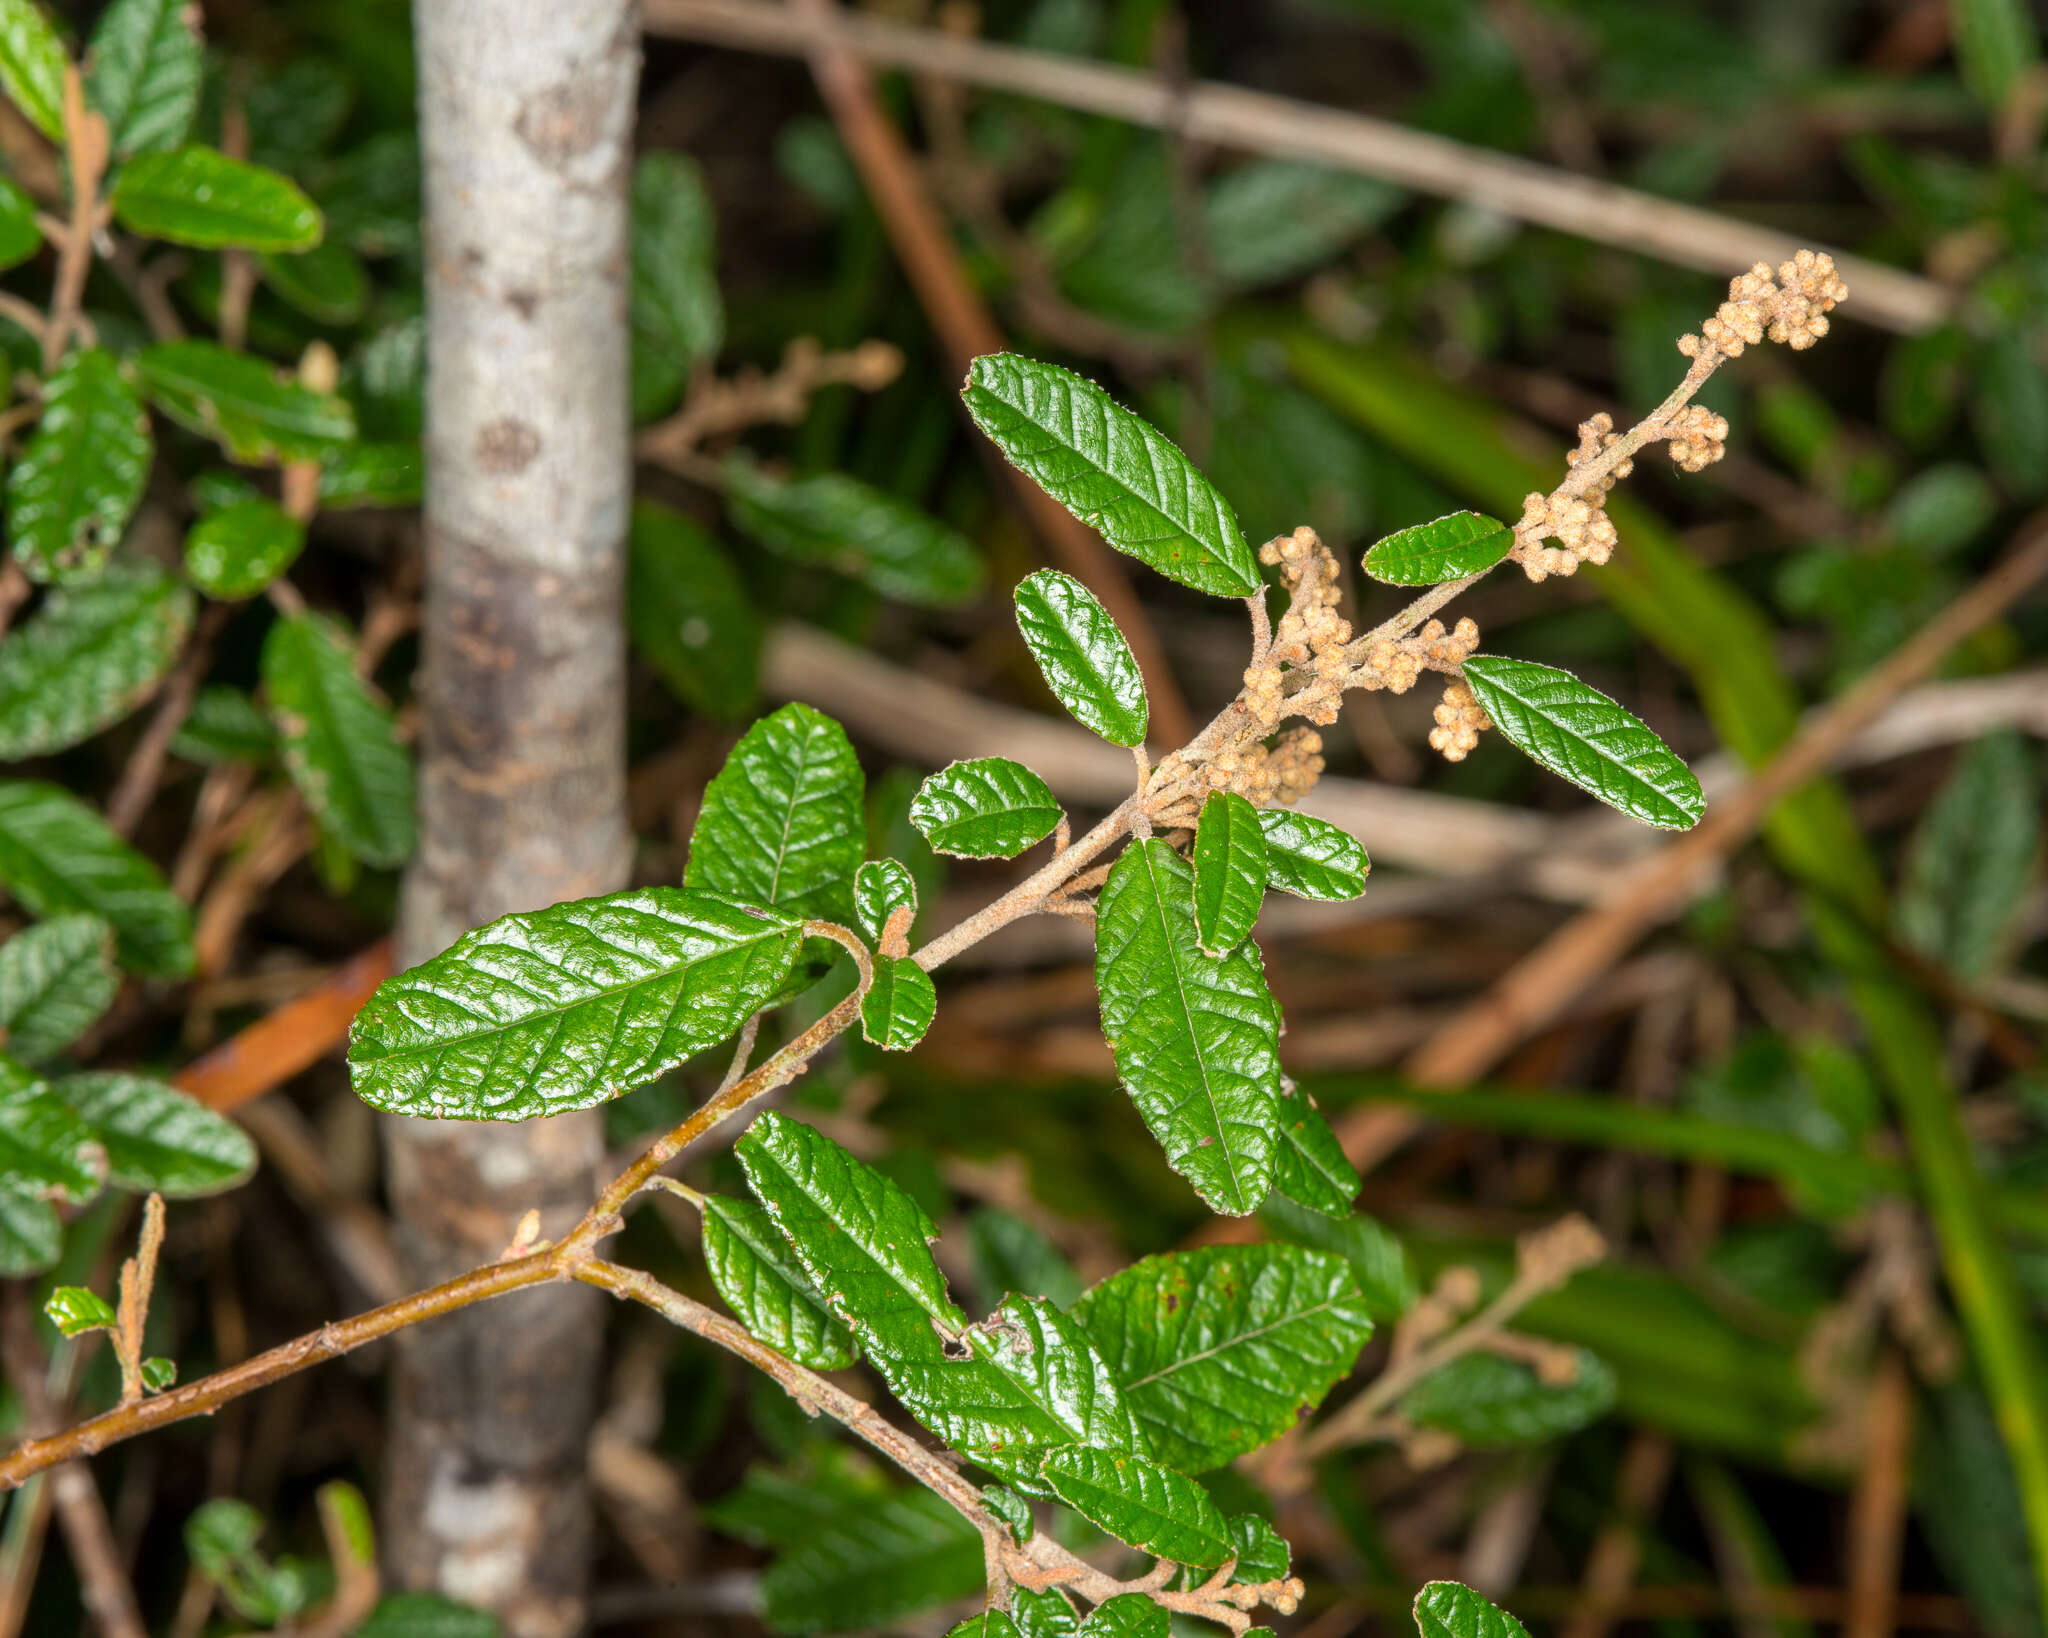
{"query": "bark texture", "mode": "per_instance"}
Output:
(526, 114)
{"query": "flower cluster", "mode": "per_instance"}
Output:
(1791, 308)
(1578, 522)
(1698, 437)
(1284, 772)
(1458, 720)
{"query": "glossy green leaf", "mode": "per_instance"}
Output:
(1487, 1402)
(781, 824)
(1312, 858)
(198, 196)
(1224, 1348)
(143, 66)
(1127, 1615)
(1447, 549)
(881, 887)
(566, 1007)
(328, 283)
(1448, 1609)
(856, 530)
(340, 745)
(1276, 219)
(20, 238)
(158, 1138)
(1196, 1037)
(55, 979)
(751, 1265)
(92, 654)
(1310, 1167)
(991, 1623)
(159, 1373)
(237, 551)
(255, 413)
(1086, 660)
(77, 483)
(387, 473)
(1112, 470)
(1379, 1261)
(899, 1004)
(56, 854)
(987, 808)
(43, 1142)
(74, 1310)
(1230, 872)
(1012, 1509)
(1974, 858)
(676, 306)
(1579, 734)
(689, 613)
(224, 725)
(1043, 1614)
(872, 1565)
(32, 60)
(427, 1615)
(1143, 1503)
(31, 1233)
(1262, 1555)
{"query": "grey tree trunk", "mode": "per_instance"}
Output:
(526, 116)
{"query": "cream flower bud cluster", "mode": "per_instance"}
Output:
(1791, 308)
(1459, 718)
(1311, 634)
(1578, 523)
(1698, 437)
(1398, 665)
(1284, 773)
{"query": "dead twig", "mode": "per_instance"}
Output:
(1877, 1512)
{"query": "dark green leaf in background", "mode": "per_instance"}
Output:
(1085, 659)
(32, 66)
(689, 614)
(871, 1565)
(92, 653)
(1486, 1401)
(1230, 872)
(328, 283)
(76, 484)
(31, 1233)
(238, 550)
(426, 1615)
(254, 413)
(158, 1138)
(44, 1144)
(224, 725)
(676, 305)
(1973, 860)
(198, 196)
(56, 854)
(987, 808)
(390, 473)
(143, 67)
(1276, 219)
(55, 979)
(20, 238)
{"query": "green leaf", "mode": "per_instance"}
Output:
(143, 66)
(158, 1373)
(987, 808)
(689, 613)
(427, 1615)
(328, 283)
(1579, 734)
(198, 196)
(2009, 410)
(1312, 858)
(76, 484)
(237, 551)
(92, 654)
(1139, 1501)
(241, 402)
(1112, 470)
(1223, 1348)
(1043, 1614)
(158, 1138)
(751, 1265)
(391, 473)
(881, 887)
(781, 824)
(1489, 1402)
(1196, 1037)
(1379, 1261)
(20, 238)
(1995, 44)
(1972, 861)
(566, 1007)
(31, 1233)
(1086, 661)
(898, 1007)
(1011, 1254)
(993, 1623)
(56, 854)
(75, 1311)
(1448, 549)
(859, 531)
(1262, 1555)
(675, 303)
(32, 62)
(55, 979)
(1310, 1167)
(1230, 872)
(1127, 1615)
(1275, 219)
(43, 1143)
(1012, 1509)
(1942, 509)
(873, 1565)
(339, 744)
(1448, 1609)
(224, 725)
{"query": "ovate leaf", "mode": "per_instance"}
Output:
(1224, 1348)
(1973, 858)
(1579, 734)
(1448, 549)
(143, 66)
(1112, 470)
(55, 979)
(1379, 1262)
(689, 614)
(339, 744)
(1276, 218)
(224, 725)
(899, 1004)
(1230, 871)
(93, 652)
(1448, 1609)
(1312, 858)
(388, 473)
(781, 824)
(1086, 661)
(989, 1623)
(751, 1265)
(1043, 1614)
(56, 854)
(44, 1145)
(871, 1565)
(1486, 1401)
(987, 808)
(1127, 1615)
(32, 62)
(20, 237)
(76, 484)
(1141, 1502)
(1311, 1167)
(237, 551)
(676, 305)
(881, 887)
(1012, 1509)
(566, 1007)
(31, 1233)
(158, 1138)
(253, 412)
(855, 529)
(74, 1310)
(1196, 1037)
(198, 196)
